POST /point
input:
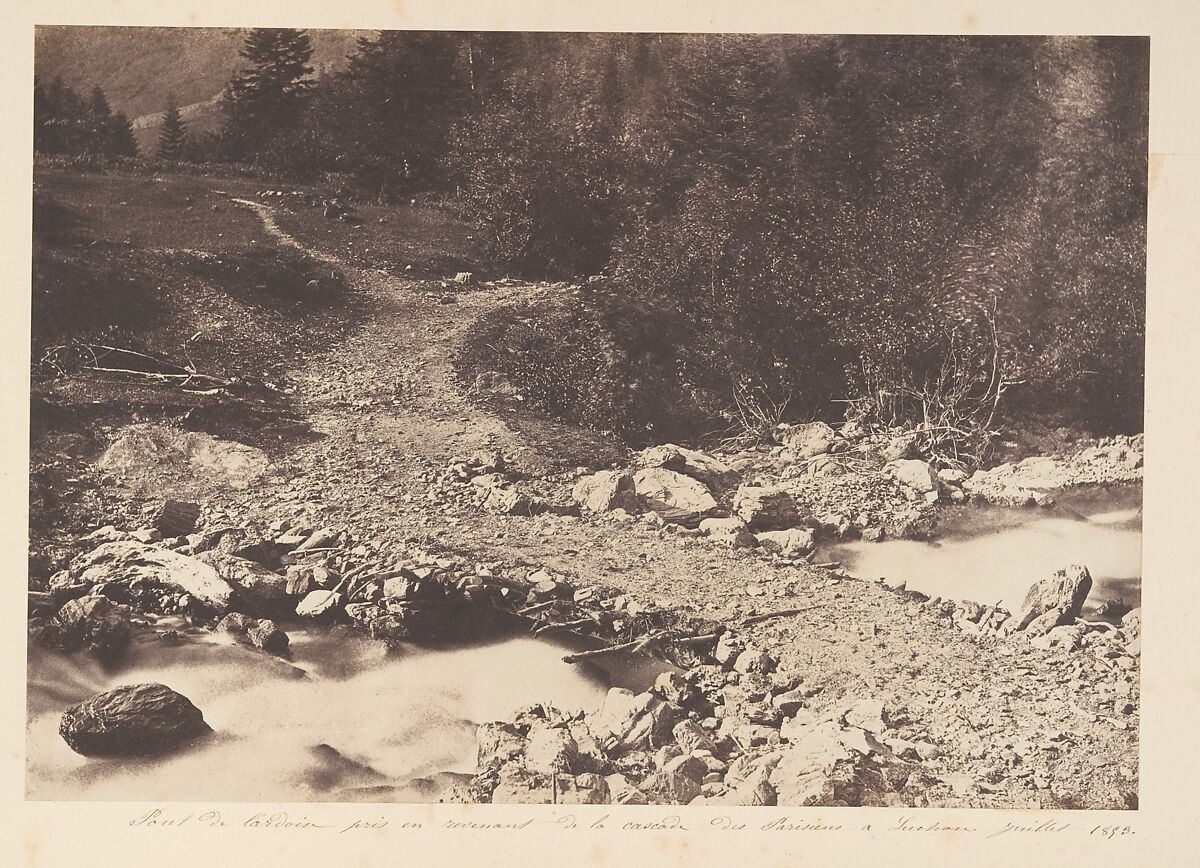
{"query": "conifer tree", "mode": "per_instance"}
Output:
(121, 142)
(267, 97)
(173, 137)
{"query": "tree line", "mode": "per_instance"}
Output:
(918, 226)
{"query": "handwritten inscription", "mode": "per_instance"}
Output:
(301, 822)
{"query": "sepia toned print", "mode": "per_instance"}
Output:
(586, 418)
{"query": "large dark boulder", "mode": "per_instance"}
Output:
(132, 720)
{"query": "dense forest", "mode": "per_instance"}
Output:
(927, 231)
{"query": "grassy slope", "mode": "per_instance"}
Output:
(170, 267)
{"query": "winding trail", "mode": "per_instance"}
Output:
(391, 415)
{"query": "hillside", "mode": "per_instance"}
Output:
(139, 68)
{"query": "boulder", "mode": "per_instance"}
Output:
(322, 538)
(691, 737)
(789, 543)
(868, 714)
(807, 440)
(622, 792)
(319, 604)
(900, 447)
(147, 455)
(263, 634)
(716, 474)
(132, 720)
(913, 473)
(497, 743)
(176, 517)
(259, 591)
(722, 526)
(632, 722)
(766, 508)
(126, 561)
(754, 660)
(805, 773)
(94, 623)
(606, 491)
(678, 782)
(1055, 600)
(550, 750)
(677, 498)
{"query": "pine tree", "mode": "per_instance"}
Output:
(121, 142)
(407, 89)
(265, 100)
(173, 137)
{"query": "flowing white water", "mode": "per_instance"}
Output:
(404, 716)
(990, 554)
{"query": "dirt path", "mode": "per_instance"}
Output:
(1015, 726)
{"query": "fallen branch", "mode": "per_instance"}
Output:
(782, 613)
(563, 625)
(537, 607)
(154, 375)
(635, 645)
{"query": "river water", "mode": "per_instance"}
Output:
(993, 554)
(398, 721)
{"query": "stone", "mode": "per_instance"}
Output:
(176, 517)
(736, 538)
(868, 714)
(790, 701)
(263, 634)
(952, 476)
(259, 591)
(322, 538)
(900, 447)
(551, 750)
(690, 736)
(677, 498)
(621, 792)
(147, 454)
(125, 562)
(1055, 600)
(753, 660)
(606, 491)
(95, 623)
(788, 543)
(766, 508)
(496, 744)
(629, 722)
(678, 782)
(715, 474)
(913, 473)
(804, 774)
(674, 688)
(318, 604)
(727, 650)
(509, 501)
(108, 533)
(722, 526)
(806, 440)
(136, 719)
